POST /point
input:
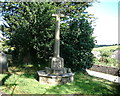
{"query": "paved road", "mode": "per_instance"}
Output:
(1, 93)
(104, 76)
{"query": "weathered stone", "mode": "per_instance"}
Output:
(48, 70)
(105, 69)
(57, 62)
(55, 79)
(116, 55)
(71, 78)
(56, 73)
(69, 70)
(3, 62)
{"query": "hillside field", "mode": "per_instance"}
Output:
(106, 56)
(106, 48)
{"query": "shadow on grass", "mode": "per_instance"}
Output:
(84, 85)
(28, 71)
(9, 85)
(32, 76)
(117, 88)
(5, 78)
(23, 69)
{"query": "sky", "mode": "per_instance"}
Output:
(106, 30)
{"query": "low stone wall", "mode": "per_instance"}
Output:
(105, 69)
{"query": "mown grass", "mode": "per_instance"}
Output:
(21, 80)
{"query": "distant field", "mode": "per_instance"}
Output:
(107, 48)
(106, 53)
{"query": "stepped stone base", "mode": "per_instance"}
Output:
(56, 73)
(54, 79)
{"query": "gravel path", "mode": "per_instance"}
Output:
(1, 93)
(104, 76)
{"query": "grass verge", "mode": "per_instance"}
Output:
(25, 82)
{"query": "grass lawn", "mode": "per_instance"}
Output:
(21, 80)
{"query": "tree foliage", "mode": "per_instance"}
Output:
(31, 32)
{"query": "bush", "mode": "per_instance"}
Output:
(105, 53)
(103, 59)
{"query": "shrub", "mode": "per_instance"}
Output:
(105, 53)
(103, 59)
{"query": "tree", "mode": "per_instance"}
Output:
(78, 44)
(31, 32)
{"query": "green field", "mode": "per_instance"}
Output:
(106, 48)
(24, 81)
(108, 51)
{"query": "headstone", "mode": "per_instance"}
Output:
(3, 62)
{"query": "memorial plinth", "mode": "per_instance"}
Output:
(52, 79)
(56, 73)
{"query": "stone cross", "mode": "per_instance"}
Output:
(56, 73)
(57, 34)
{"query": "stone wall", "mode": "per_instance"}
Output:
(105, 69)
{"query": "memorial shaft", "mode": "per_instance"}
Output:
(57, 34)
(57, 38)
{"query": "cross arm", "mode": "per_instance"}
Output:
(60, 15)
